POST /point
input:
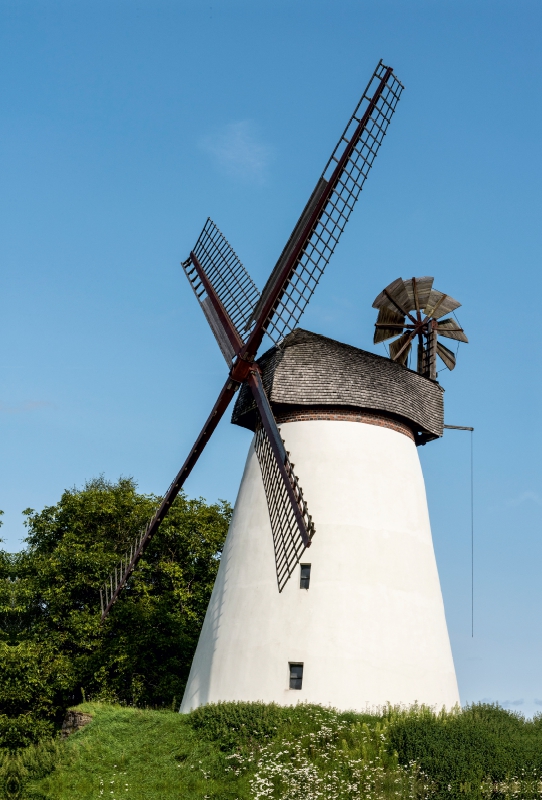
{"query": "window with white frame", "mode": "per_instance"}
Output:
(305, 576)
(296, 676)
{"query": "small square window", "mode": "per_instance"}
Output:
(305, 578)
(296, 676)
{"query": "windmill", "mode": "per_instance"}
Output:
(240, 317)
(413, 309)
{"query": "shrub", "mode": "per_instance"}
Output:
(466, 751)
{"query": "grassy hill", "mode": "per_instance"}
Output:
(251, 750)
(130, 753)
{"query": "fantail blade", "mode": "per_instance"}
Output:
(388, 317)
(397, 292)
(450, 329)
(439, 304)
(396, 348)
(447, 356)
(418, 289)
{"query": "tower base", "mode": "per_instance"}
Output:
(370, 629)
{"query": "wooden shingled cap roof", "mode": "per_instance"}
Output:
(310, 370)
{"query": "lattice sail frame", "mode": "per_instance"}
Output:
(327, 230)
(230, 280)
(287, 541)
(231, 293)
(121, 573)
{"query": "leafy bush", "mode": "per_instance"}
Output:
(233, 725)
(53, 649)
(464, 752)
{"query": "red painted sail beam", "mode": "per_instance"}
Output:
(258, 332)
(277, 445)
(229, 328)
(222, 403)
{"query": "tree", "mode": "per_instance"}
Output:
(50, 609)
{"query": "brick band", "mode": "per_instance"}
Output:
(343, 414)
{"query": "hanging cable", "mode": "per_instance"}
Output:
(472, 530)
(465, 428)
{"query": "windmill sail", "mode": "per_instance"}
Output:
(239, 318)
(307, 253)
(288, 543)
(418, 291)
(111, 591)
(230, 281)
(291, 523)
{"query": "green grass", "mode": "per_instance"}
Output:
(213, 753)
(249, 751)
(134, 754)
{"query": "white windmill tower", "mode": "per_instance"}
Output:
(356, 620)
(359, 621)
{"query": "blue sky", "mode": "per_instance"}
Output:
(125, 124)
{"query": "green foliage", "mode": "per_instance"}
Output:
(164, 755)
(325, 754)
(242, 751)
(52, 646)
(464, 750)
(234, 725)
(33, 675)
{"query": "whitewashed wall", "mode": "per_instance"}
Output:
(371, 628)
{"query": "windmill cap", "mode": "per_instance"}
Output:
(309, 370)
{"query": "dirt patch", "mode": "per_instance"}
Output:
(74, 721)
